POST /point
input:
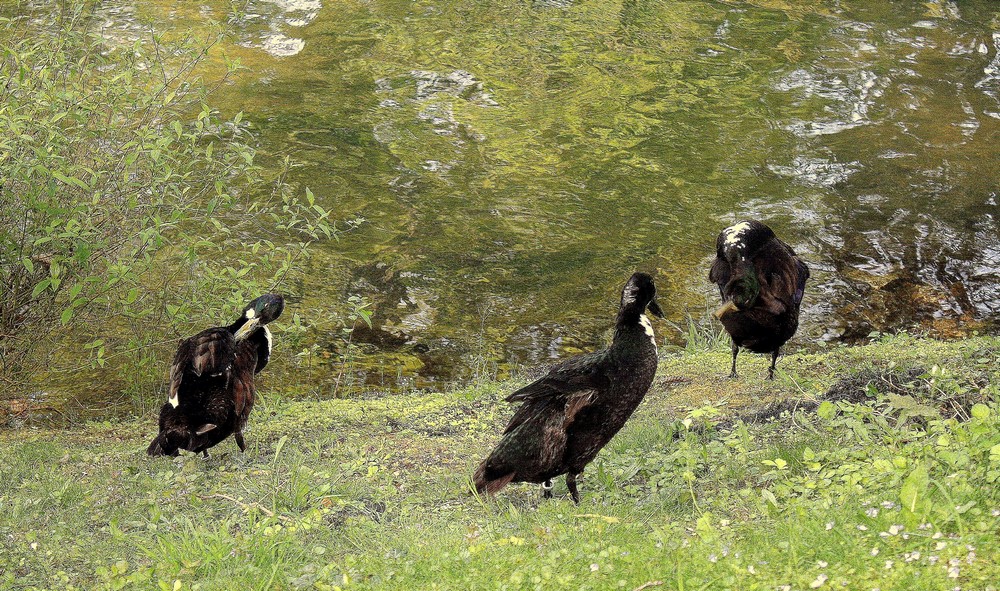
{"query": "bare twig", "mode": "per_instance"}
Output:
(245, 506)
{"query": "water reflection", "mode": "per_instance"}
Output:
(533, 154)
(289, 14)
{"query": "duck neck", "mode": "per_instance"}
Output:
(631, 318)
(238, 324)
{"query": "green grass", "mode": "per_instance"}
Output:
(373, 493)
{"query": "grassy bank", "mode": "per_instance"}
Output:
(373, 493)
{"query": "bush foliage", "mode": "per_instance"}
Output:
(124, 198)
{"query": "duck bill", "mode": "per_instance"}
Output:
(654, 309)
(727, 308)
(247, 329)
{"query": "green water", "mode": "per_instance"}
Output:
(512, 162)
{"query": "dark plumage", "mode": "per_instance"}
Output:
(761, 282)
(568, 415)
(211, 381)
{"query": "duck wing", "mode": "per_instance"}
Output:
(568, 387)
(201, 360)
(782, 275)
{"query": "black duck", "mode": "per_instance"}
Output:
(212, 381)
(567, 416)
(761, 282)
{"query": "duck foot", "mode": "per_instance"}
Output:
(571, 485)
(774, 361)
(547, 489)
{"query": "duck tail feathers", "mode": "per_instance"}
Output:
(490, 484)
(156, 446)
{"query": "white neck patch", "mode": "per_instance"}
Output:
(648, 327)
(629, 295)
(250, 314)
(267, 335)
(734, 234)
(174, 401)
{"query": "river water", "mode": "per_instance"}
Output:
(505, 165)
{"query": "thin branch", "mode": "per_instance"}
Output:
(245, 506)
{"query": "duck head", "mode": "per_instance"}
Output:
(743, 287)
(258, 313)
(737, 245)
(639, 294)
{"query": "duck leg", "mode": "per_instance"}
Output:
(239, 441)
(547, 489)
(774, 360)
(736, 351)
(571, 485)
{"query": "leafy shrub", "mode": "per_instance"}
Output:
(125, 200)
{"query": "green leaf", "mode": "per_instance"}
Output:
(826, 410)
(30, 266)
(176, 125)
(910, 406)
(70, 180)
(41, 286)
(914, 490)
(281, 444)
(980, 411)
(366, 315)
(66, 315)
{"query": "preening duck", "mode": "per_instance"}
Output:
(212, 381)
(761, 282)
(567, 416)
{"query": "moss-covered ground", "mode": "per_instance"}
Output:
(896, 490)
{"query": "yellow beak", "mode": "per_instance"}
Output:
(726, 308)
(247, 329)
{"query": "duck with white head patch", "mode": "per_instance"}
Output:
(567, 416)
(212, 381)
(761, 281)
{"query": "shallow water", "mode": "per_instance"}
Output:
(511, 163)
